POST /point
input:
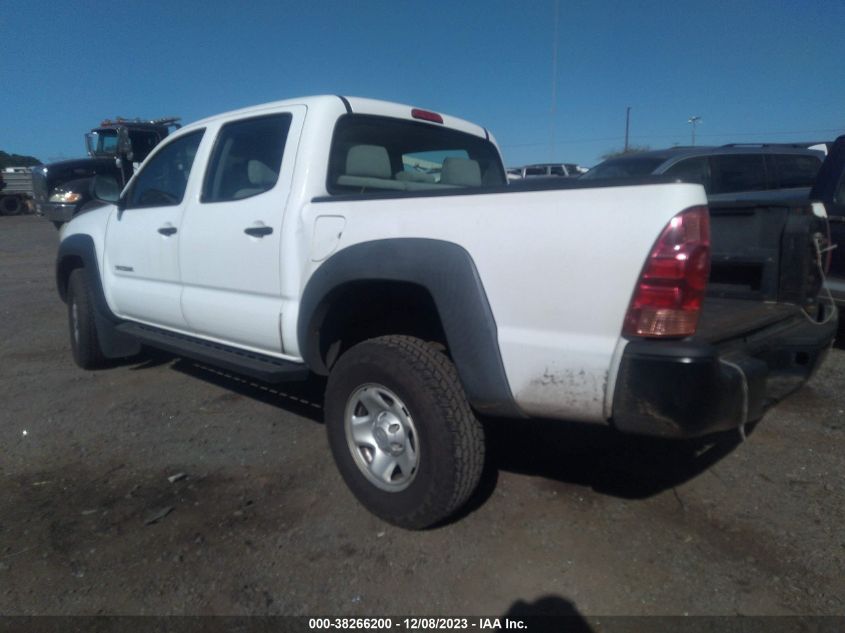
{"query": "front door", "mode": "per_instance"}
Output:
(141, 264)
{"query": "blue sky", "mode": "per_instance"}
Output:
(754, 71)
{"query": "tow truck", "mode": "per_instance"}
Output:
(62, 190)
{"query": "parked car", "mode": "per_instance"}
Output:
(727, 172)
(546, 170)
(299, 237)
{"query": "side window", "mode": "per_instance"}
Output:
(246, 159)
(738, 172)
(695, 170)
(163, 180)
(796, 170)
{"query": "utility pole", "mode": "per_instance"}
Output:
(695, 120)
(553, 111)
(627, 127)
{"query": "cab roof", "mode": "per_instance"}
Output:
(352, 105)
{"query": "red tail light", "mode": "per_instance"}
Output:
(668, 296)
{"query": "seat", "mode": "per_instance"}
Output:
(461, 172)
(261, 178)
(368, 166)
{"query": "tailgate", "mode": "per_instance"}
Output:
(762, 331)
(766, 251)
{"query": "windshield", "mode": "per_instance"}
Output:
(627, 167)
(102, 142)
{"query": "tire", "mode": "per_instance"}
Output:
(416, 452)
(10, 205)
(84, 342)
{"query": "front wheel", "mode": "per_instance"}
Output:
(84, 341)
(402, 432)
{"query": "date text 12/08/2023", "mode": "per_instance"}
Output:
(414, 624)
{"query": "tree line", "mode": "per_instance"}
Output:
(16, 160)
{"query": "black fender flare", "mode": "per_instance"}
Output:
(447, 272)
(80, 247)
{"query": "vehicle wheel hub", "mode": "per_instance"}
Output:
(382, 437)
(389, 434)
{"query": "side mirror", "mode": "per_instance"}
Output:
(105, 189)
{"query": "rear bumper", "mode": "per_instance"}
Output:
(688, 388)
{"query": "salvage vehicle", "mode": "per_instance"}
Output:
(727, 172)
(299, 238)
(546, 170)
(115, 148)
(829, 189)
(16, 190)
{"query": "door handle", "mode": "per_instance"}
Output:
(258, 231)
(167, 230)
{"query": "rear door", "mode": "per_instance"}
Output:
(142, 240)
(230, 249)
(830, 189)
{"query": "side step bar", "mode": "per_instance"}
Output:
(265, 368)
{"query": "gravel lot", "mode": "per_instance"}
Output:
(568, 517)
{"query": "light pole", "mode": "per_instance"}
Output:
(627, 125)
(694, 120)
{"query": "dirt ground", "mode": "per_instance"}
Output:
(575, 518)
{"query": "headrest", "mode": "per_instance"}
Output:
(370, 161)
(461, 171)
(259, 174)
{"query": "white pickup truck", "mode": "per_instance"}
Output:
(379, 245)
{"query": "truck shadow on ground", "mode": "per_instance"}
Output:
(304, 398)
(594, 456)
(600, 457)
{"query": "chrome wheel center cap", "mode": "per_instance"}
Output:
(389, 433)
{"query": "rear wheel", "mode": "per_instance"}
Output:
(84, 343)
(402, 432)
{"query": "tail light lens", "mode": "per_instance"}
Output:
(668, 296)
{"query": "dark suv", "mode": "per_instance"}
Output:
(728, 171)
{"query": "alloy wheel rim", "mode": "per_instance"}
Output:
(381, 437)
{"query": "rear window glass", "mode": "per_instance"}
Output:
(695, 170)
(627, 167)
(738, 172)
(796, 170)
(378, 154)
